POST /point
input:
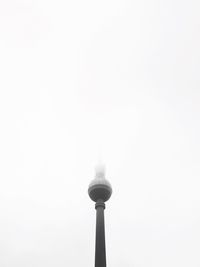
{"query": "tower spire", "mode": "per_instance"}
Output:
(100, 171)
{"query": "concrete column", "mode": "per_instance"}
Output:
(100, 249)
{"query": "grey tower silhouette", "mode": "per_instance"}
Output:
(100, 191)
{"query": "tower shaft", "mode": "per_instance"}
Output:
(100, 249)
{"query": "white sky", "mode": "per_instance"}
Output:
(83, 80)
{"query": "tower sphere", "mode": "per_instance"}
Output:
(100, 188)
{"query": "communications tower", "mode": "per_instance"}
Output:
(100, 191)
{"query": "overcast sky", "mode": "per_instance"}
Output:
(87, 80)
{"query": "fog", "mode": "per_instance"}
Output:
(83, 81)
